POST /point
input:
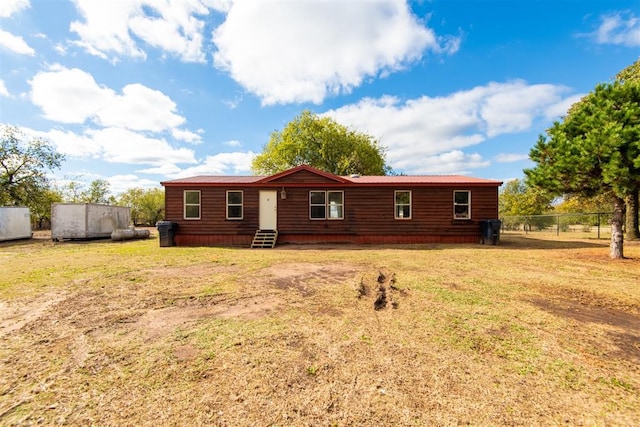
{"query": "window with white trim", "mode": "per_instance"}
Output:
(402, 204)
(191, 204)
(336, 204)
(234, 205)
(326, 204)
(462, 204)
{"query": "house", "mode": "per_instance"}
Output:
(307, 205)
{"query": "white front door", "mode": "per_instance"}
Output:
(268, 210)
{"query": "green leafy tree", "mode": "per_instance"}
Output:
(23, 167)
(98, 192)
(578, 204)
(631, 75)
(517, 199)
(595, 150)
(41, 207)
(322, 143)
(72, 192)
(147, 205)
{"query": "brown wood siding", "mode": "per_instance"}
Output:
(213, 205)
(368, 215)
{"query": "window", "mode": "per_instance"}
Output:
(234, 204)
(403, 204)
(192, 204)
(326, 205)
(462, 204)
(317, 205)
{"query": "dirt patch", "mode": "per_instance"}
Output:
(17, 314)
(305, 278)
(159, 322)
(155, 319)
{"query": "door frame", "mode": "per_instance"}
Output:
(268, 210)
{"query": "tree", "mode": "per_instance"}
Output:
(578, 204)
(594, 150)
(321, 143)
(631, 75)
(147, 206)
(23, 167)
(519, 199)
(98, 192)
(41, 207)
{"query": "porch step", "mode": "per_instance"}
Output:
(264, 239)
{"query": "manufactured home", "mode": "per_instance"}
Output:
(307, 205)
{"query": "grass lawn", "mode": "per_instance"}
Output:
(531, 332)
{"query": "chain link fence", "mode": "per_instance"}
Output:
(583, 225)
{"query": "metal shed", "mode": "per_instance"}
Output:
(87, 220)
(15, 223)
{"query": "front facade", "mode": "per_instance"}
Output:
(306, 205)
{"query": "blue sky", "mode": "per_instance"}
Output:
(140, 91)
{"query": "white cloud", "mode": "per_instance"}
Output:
(232, 143)
(618, 29)
(186, 136)
(237, 163)
(140, 108)
(15, 44)
(511, 107)
(511, 157)
(3, 89)
(169, 170)
(72, 144)
(121, 183)
(416, 130)
(68, 95)
(61, 49)
(108, 28)
(560, 109)
(453, 162)
(73, 96)
(117, 145)
(174, 30)
(9, 7)
(305, 51)
(124, 146)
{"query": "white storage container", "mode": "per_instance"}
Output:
(87, 220)
(15, 223)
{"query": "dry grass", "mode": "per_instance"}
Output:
(529, 332)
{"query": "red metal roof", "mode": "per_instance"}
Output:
(367, 180)
(215, 179)
(420, 179)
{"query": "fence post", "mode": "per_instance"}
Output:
(598, 225)
(557, 225)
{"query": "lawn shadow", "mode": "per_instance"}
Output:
(528, 243)
(519, 242)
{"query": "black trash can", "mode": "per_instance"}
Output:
(490, 231)
(167, 230)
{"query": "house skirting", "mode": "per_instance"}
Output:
(213, 240)
(376, 239)
(245, 240)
